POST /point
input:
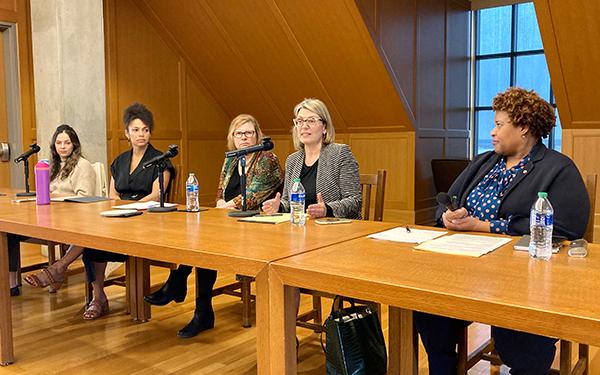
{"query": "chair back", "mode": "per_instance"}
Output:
(101, 189)
(591, 186)
(367, 182)
(445, 171)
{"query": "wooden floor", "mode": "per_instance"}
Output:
(52, 338)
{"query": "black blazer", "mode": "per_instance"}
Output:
(548, 171)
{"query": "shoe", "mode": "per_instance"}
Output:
(175, 289)
(50, 276)
(95, 310)
(204, 319)
(15, 292)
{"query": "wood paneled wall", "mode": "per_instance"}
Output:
(425, 47)
(144, 66)
(17, 12)
(571, 35)
(197, 64)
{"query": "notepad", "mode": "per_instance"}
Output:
(400, 234)
(267, 219)
(79, 199)
(142, 205)
(464, 244)
(120, 213)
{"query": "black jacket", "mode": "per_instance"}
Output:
(548, 171)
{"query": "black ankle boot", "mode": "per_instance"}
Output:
(204, 319)
(174, 289)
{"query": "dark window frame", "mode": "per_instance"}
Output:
(512, 55)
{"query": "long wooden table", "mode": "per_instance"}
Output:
(506, 288)
(208, 239)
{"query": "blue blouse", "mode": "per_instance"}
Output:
(484, 200)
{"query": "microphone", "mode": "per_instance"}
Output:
(265, 146)
(445, 200)
(34, 149)
(171, 152)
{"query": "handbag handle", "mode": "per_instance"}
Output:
(338, 303)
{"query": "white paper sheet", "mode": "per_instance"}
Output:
(400, 234)
(464, 244)
(142, 205)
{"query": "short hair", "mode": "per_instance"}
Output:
(526, 108)
(239, 121)
(138, 111)
(318, 107)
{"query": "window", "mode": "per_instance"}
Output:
(508, 52)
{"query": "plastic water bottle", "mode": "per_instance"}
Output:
(42, 182)
(297, 199)
(540, 225)
(191, 194)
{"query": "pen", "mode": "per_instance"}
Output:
(267, 215)
(407, 229)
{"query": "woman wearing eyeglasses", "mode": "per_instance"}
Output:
(263, 176)
(327, 170)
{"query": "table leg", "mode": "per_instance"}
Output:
(142, 288)
(279, 352)
(6, 333)
(403, 341)
(138, 285)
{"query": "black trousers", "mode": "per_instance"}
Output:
(14, 251)
(91, 256)
(205, 280)
(524, 353)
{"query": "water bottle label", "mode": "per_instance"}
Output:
(191, 188)
(542, 219)
(297, 197)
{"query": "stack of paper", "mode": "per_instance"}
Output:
(401, 234)
(464, 244)
(267, 219)
(142, 205)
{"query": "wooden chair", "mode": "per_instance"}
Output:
(486, 351)
(445, 171)
(368, 182)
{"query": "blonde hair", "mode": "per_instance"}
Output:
(239, 121)
(318, 107)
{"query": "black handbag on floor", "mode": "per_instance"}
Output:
(354, 341)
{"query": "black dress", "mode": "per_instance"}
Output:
(130, 186)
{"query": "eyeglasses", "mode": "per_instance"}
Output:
(311, 121)
(247, 134)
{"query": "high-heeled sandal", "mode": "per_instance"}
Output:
(45, 278)
(95, 310)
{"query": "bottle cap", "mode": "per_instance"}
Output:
(42, 164)
(542, 194)
(296, 180)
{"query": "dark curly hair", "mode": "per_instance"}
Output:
(526, 108)
(72, 160)
(138, 111)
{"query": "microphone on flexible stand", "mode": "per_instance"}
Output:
(266, 145)
(24, 157)
(160, 162)
(451, 203)
(170, 153)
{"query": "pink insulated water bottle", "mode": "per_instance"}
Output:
(42, 182)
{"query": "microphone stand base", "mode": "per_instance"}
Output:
(26, 194)
(243, 213)
(162, 209)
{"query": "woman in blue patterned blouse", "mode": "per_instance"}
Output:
(496, 192)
